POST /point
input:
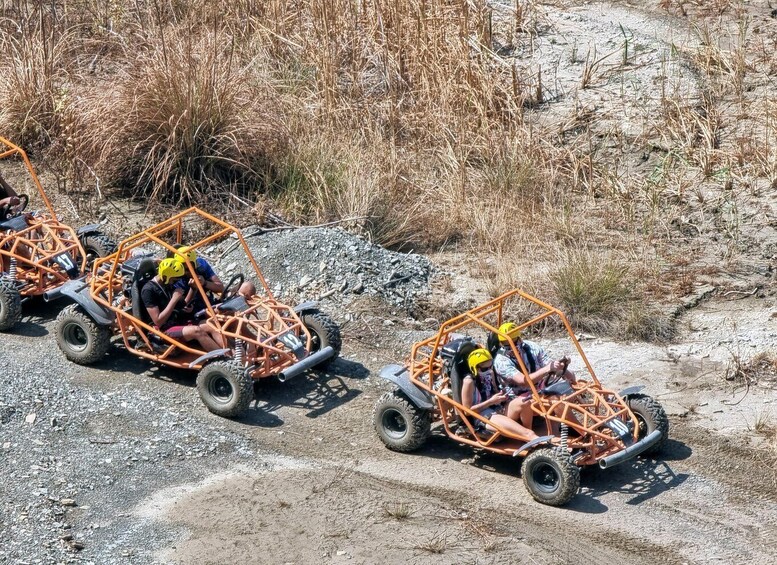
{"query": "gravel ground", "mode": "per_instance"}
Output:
(82, 447)
(76, 459)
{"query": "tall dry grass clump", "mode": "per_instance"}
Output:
(441, 147)
(184, 123)
(35, 66)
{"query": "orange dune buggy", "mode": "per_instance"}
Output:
(579, 424)
(263, 337)
(38, 253)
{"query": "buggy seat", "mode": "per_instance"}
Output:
(144, 271)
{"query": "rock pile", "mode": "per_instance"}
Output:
(329, 265)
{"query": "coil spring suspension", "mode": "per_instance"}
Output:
(12, 269)
(239, 352)
(564, 435)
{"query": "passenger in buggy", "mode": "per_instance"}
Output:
(480, 393)
(8, 197)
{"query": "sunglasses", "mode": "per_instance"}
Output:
(485, 367)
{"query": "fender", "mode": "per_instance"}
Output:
(630, 390)
(398, 375)
(308, 305)
(78, 291)
(209, 355)
(88, 229)
(532, 443)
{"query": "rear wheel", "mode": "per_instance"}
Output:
(399, 423)
(97, 245)
(10, 305)
(225, 388)
(651, 416)
(323, 332)
(550, 476)
(80, 338)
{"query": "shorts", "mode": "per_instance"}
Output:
(487, 413)
(176, 332)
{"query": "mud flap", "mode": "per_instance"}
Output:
(78, 291)
(398, 375)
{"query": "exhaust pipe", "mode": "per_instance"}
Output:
(306, 363)
(631, 451)
(52, 294)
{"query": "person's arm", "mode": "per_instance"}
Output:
(543, 372)
(468, 387)
(214, 284)
(160, 318)
(10, 192)
(508, 371)
(208, 277)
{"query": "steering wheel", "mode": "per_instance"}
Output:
(553, 378)
(231, 288)
(7, 211)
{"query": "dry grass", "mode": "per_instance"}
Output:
(414, 120)
(399, 510)
(197, 127)
(437, 544)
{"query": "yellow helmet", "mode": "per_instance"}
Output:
(170, 268)
(185, 253)
(510, 330)
(477, 357)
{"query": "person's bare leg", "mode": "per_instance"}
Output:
(513, 427)
(198, 334)
(520, 410)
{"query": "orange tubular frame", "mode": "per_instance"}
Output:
(9, 149)
(44, 238)
(266, 318)
(586, 410)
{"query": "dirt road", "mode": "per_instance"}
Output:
(122, 464)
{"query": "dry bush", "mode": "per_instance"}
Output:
(760, 369)
(184, 123)
(35, 58)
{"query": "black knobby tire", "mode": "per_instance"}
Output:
(96, 245)
(550, 476)
(10, 305)
(323, 332)
(80, 338)
(225, 388)
(399, 423)
(651, 416)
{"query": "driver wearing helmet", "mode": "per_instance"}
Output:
(161, 296)
(534, 357)
(480, 393)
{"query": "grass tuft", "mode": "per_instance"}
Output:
(399, 510)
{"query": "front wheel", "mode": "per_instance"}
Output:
(650, 416)
(550, 476)
(80, 338)
(10, 305)
(323, 332)
(225, 388)
(399, 423)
